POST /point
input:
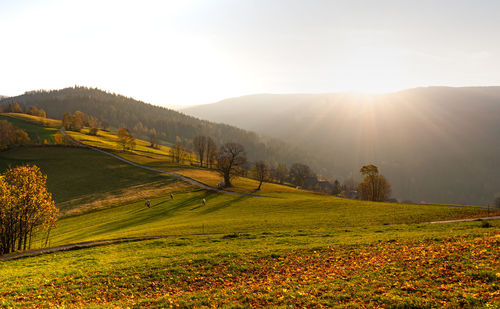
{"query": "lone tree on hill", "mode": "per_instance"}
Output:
(26, 207)
(125, 139)
(374, 187)
(230, 160)
(261, 172)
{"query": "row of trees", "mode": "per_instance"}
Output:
(26, 207)
(11, 136)
(78, 120)
(206, 149)
(15, 107)
(231, 161)
(147, 121)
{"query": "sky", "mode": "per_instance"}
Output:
(181, 53)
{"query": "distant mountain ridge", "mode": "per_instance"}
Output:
(436, 144)
(141, 118)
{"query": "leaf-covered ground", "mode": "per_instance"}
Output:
(452, 272)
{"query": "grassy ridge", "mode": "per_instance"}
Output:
(38, 129)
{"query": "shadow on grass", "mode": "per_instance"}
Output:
(141, 215)
(223, 204)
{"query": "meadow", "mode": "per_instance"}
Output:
(451, 266)
(39, 129)
(294, 248)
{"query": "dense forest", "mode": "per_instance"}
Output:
(434, 144)
(142, 119)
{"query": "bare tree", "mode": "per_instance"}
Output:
(261, 172)
(229, 160)
(299, 172)
(281, 173)
(153, 138)
(179, 153)
(200, 147)
(211, 152)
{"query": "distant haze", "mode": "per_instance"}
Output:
(435, 144)
(178, 53)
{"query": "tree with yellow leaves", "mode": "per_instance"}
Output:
(125, 139)
(26, 207)
(374, 187)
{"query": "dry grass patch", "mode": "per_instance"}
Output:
(240, 184)
(130, 194)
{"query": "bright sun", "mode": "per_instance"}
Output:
(372, 70)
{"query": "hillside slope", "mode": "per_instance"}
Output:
(141, 118)
(435, 144)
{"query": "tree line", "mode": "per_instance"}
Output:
(231, 161)
(15, 107)
(155, 123)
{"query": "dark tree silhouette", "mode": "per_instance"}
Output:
(200, 147)
(299, 172)
(261, 172)
(230, 159)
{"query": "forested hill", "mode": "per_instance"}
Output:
(435, 144)
(141, 118)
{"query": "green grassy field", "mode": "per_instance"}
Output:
(240, 214)
(454, 265)
(297, 249)
(160, 158)
(38, 129)
(79, 177)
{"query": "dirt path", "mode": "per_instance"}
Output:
(175, 175)
(95, 243)
(467, 220)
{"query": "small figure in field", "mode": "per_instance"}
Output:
(148, 203)
(171, 196)
(204, 202)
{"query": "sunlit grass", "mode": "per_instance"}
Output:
(224, 213)
(360, 267)
(40, 121)
(161, 158)
(40, 130)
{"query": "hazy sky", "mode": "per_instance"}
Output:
(193, 52)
